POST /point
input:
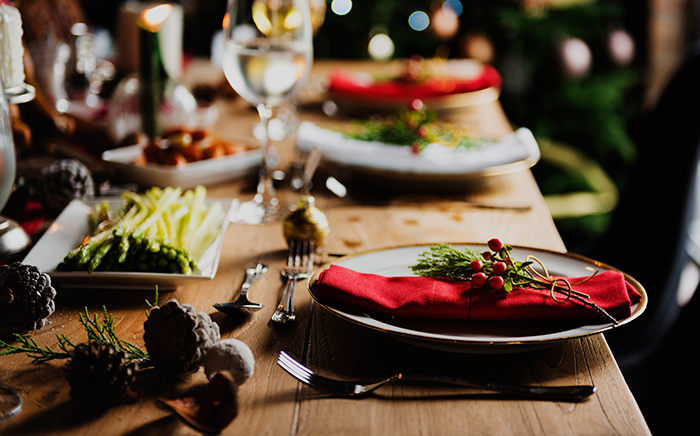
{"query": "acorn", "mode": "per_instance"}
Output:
(306, 222)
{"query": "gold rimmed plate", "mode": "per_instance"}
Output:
(482, 337)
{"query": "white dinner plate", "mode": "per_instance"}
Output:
(436, 166)
(475, 336)
(71, 227)
(204, 172)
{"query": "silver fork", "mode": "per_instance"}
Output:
(359, 388)
(300, 264)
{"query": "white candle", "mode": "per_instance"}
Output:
(11, 50)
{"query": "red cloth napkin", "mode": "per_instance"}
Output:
(348, 85)
(428, 297)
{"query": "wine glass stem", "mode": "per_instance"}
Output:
(266, 190)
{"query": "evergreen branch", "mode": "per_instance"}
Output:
(106, 334)
(38, 354)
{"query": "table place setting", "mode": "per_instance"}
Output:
(185, 277)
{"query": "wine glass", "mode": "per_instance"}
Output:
(268, 53)
(10, 400)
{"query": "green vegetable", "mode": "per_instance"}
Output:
(414, 128)
(161, 230)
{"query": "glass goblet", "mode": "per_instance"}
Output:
(268, 53)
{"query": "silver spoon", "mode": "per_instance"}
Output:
(252, 273)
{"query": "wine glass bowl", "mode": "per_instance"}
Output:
(268, 53)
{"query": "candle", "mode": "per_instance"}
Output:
(153, 75)
(11, 50)
(127, 37)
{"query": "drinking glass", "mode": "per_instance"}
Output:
(10, 400)
(268, 53)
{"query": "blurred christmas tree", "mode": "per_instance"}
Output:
(570, 70)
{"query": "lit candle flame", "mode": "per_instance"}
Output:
(224, 24)
(152, 18)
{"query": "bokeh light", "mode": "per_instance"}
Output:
(454, 6)
(341, 7)
(381, 47)
(419, 21)
(445, 23)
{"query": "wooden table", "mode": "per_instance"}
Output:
(274, 403)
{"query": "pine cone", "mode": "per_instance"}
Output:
(98, 374)
(26, 298)
(177, 338)
(63, 181)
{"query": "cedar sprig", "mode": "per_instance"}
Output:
(38, 354)
(106, 334)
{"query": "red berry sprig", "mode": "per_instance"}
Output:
(495, 269)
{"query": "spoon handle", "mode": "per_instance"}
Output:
(252, 274)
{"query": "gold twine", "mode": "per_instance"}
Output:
(552, 282)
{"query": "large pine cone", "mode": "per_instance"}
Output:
(63, 181)
(177, 338)
(26, 298)
(98, 374)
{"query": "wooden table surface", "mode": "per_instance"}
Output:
(272, 402)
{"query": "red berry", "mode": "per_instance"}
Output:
(496, 282)
(479, 279)
(499, 268)
(495, 245)
(476, 265)
(423, 130)
(415, 148)
(486, 255)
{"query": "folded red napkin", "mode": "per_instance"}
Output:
(348, 85)
(428, 297)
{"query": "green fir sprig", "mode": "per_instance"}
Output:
(414, 128)
(445, 261)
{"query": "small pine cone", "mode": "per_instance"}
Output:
(63, 181)
(26, 298)
(98, 374)
(177, 338)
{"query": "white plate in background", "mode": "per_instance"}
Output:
(204, 172)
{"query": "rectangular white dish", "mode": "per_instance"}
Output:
(71, 227)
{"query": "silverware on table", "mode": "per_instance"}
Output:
(356, 388)
(252, 273)
(300, 265)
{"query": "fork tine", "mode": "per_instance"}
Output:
(305, 375)
(310, 259)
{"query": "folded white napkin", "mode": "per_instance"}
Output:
(434, 159)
